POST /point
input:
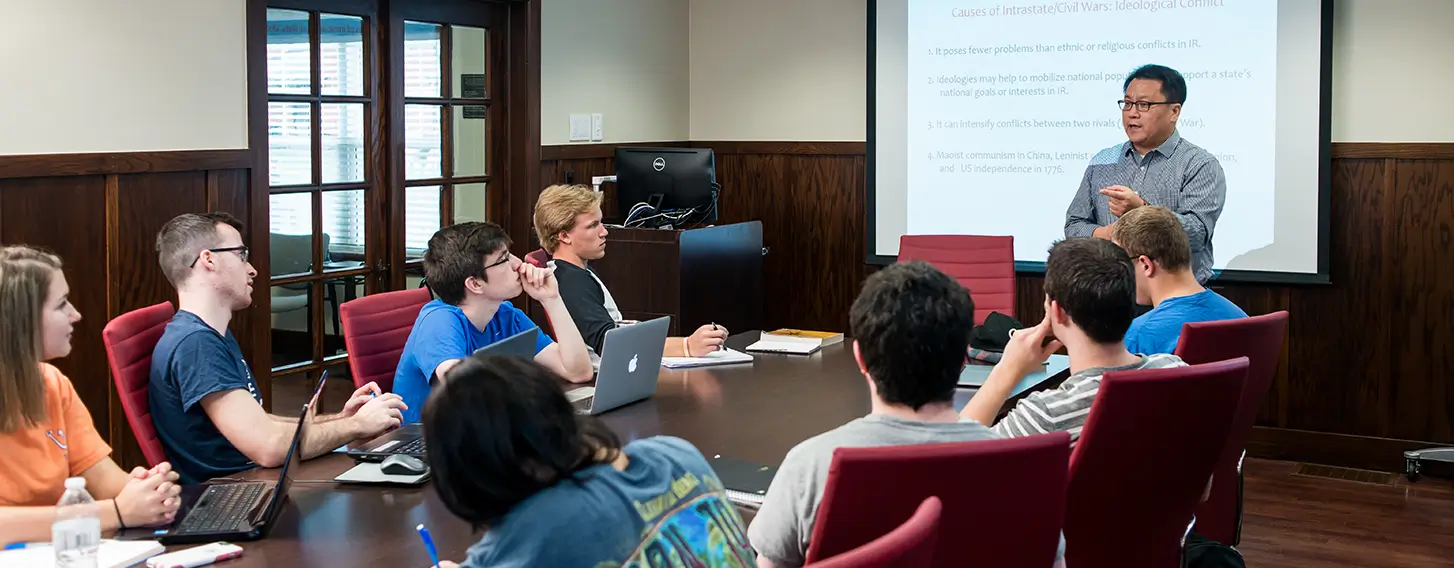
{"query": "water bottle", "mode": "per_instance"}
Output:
(76, 533)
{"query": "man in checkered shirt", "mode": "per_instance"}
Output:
(1155, 166)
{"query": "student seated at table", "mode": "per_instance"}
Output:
(46, 434)
(568, 224)
(203, 399)
(552, 488)
(911, 324)
(1090, 298)
(1161, 256)
(473, 275)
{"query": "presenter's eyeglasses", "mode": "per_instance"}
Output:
(1142, 106)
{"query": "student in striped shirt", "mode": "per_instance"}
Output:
(1090, 300)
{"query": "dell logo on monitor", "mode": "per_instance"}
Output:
(658, 164)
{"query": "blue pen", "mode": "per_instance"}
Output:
(428, 544)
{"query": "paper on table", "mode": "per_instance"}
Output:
(723, 357)
(113, 554)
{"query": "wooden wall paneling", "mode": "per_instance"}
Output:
(1338, 335)
(1420, 228)
(67, 216)
(141, 204)
(52, 165)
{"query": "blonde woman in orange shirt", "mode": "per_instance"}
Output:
(46, 434)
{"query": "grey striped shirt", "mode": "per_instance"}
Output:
(1066, 407)
(1177, 175)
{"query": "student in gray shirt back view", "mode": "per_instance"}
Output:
(1090, 300)
(910, 325)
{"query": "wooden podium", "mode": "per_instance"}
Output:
(696, 276)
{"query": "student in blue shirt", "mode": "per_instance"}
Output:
(1154, 238)
(473, 275)
(549, 487)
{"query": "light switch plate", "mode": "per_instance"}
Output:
(580, 127)
(598, 130)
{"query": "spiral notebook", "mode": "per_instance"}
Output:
(745, 482)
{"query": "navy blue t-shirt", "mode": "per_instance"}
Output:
(443, 332)
(192, 361)
(668, 508)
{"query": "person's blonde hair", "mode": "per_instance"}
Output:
(1156, 233)
(556, 211)
(25, 279)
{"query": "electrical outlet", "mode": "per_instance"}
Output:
(580, 127)
(598, 131)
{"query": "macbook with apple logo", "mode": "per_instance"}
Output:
(630, 363)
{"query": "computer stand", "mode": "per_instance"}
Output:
(1416, 462)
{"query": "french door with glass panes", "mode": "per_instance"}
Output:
(450, 70)
(380, 131)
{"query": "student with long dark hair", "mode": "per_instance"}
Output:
(46, 434)
(551, 488)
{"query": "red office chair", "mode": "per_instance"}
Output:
(984, 265)
(538, 257)
(1260, 339)
(129, 341)
(1148, 448)
(1005, 498)
(375, 329)
(911, 545)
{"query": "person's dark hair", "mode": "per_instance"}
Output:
(499, 430)
(458, 252)
(1093, 281)
(184, 237)
(1173, 86)
(912, 324)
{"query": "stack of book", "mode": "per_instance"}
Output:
(795, 341)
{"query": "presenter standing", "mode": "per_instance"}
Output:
(1156, 166)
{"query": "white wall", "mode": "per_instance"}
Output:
(625, 59)
(109, 76)
(1392, 65)
(779, 69)
(794, 70)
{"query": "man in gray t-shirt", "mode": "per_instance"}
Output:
(1090, 300)
(780, 531)
(911, 326)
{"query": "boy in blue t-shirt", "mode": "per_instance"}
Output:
(1161, 255)
(471, 271)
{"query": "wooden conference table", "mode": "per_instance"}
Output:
(753, 412)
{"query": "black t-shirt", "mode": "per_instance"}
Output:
(192, 361)
(586, 301)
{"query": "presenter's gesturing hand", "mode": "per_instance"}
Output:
(1122, 199)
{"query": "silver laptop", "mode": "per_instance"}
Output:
(630, 363)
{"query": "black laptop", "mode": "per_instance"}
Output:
(409, 438)
(233, 511)
(745, 482)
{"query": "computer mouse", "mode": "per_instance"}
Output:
(401, 464)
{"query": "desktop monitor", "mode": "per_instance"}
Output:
(668, 179)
